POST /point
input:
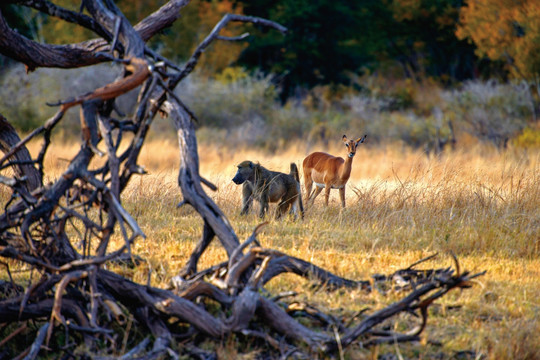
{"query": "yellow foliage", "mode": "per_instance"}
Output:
(221, 53)
(506, 30)
(529, 138)
(232, 74)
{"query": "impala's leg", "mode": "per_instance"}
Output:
(308, 183)
(327, 189)
(342, 196)
(316, 193)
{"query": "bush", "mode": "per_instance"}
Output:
(251, 114)
(529, 138)
(492, 111)
(24, 97)
(230, 100)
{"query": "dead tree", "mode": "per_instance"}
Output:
(71, 292)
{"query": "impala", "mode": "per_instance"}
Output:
(329, 172)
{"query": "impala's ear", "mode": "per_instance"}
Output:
(344, 138)
(360, 140)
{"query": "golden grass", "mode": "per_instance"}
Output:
(482, 205)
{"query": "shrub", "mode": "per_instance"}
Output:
(247, 98)
(529, 138)
(24, 97)
(492, 111)
(251, 114)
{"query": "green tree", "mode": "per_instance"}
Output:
(422, 38)
(321, 46)
(201, 16)
(330, 39)
(25, 21)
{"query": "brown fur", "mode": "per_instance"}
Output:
(268, 186)
(329, 172)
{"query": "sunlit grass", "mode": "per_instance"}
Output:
(481, 205)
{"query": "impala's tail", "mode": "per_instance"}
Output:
(294, 173)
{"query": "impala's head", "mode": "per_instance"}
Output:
(352, 144)
(246, 170)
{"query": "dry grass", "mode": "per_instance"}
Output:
(479, 204)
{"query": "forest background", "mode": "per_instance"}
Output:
(425, 73)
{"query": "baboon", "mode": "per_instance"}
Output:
(268, 186)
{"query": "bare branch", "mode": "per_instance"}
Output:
(49, 124)
(78, 18)
(9, 139)
(36, 345)
(190, 65)
(232, 38)
(116, 23)
(34, 54)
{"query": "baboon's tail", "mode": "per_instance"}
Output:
(294, 173)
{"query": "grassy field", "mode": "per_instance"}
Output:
(482, 205)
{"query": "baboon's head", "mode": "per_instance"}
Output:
(245, 172)
(352, 144)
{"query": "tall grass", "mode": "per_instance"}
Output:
(481, 205)
(477, 202)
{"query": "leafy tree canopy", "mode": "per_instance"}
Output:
(330, 39)
(507, 30)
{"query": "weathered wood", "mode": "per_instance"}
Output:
(281, 263)
(191, 266)
(22, 162)
(189, 179)
(36, 345)
(78, 18)
(107, 16)
(34, 54)
(11, 311)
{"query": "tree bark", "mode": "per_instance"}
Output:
(22, 160)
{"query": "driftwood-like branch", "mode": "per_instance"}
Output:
(61, 231)
(139, 70)
(116, 23)
(34, 54)
(189, 179)
(23, 166)
(78, 18)
(214, 34)
(162, 18)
